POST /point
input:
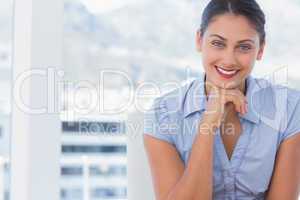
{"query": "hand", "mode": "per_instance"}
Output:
(220, 100)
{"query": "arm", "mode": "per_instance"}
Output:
(173, 182)
(285, 183)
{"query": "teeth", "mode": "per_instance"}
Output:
(231, 72)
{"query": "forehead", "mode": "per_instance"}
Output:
(232, 27)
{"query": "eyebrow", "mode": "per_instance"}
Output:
(222, 38)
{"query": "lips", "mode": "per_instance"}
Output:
(226, 73)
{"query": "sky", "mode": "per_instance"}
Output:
(104, 6)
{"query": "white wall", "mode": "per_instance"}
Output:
(35, 138)
(139, 178)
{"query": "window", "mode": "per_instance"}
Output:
(71, 171)
(93, 146)
(93, 149)
(93, 127)
(6, 16)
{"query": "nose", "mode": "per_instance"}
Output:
(228, 59)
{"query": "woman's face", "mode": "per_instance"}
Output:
(229, 47)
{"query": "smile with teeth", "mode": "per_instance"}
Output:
(226, 72)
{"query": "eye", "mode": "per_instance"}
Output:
(217, 44)
(244, 47)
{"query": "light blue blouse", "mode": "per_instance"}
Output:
(273, 115)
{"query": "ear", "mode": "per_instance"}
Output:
(260, 51)
(199, 40)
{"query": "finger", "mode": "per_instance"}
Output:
(240, 103)
(243, 109)
(243, 104)
(237, 93)
(240, 107)
(236, 100)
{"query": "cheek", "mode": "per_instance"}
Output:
(209, 56)
(247, 60)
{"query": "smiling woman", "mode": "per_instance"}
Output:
(227, 134)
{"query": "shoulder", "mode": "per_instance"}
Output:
(270, 87)
(162, 119)
(278, 95)
(170, 105)
(278, 105)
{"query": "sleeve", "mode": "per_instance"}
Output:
(292, 117)
(156, 121)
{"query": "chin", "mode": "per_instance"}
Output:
(225, 83)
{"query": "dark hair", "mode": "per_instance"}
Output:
(248, 8)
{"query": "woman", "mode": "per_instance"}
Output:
(226, 135)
